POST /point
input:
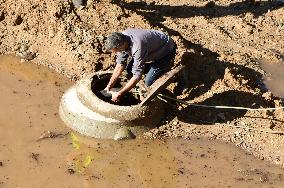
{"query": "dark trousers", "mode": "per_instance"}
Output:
(155, 69)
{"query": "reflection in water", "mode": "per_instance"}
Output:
(168, 163)
(82, 161)
(275, 78)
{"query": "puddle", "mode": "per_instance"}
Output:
(275, 77)
(30, 156)
(170, 163)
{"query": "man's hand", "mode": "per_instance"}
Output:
(115, 96)
(107, 89)
(115, 75)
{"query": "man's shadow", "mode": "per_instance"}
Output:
(200, 74)
(203, 68)
(209, 10)
(202, 115)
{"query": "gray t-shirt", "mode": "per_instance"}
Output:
(145, 46)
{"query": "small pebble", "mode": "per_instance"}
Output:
(71, 171)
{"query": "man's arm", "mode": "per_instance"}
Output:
(129, 85)
(115, 75)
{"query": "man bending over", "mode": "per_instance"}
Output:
(139, 51)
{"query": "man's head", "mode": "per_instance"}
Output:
(116, 42)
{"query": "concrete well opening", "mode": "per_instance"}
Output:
(100, 82)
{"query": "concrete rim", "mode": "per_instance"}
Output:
(87, 122)
(124, 113)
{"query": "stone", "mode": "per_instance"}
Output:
(78, 3)
(24, 51)
(18, 20)
(141, 2)
(2, 16)
(123, 134)
(222, 116)
(210, 4)
(26, 55)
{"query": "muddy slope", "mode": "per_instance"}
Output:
(57, 34)
(221, 42)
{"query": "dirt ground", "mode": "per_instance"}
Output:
(220, 41)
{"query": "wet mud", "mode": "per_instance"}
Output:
(274, 77)
(220, 42)
(168, 163)
(33, 138)
(38, 150)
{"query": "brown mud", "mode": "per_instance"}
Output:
(274, 78)
(38, 150)
(169, 163)
(33, 138)
(221, 42)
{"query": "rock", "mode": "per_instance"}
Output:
(282, 1)
(210, 4)
(90, 4)
(16, 47)
(26, 55)
(2, 16)
(100, 38)
(78, 32)
(51, 32)
(267, 96)
(71, 171)
(24, 47)
(35, 156)
(114, 1)
(24, 52)
(18, 20)
(222, 116)
(175, 123)
(123, 134)
(278, 103)
(141, 2)
(78, 3)
(151, 3)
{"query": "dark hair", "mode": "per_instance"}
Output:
(114, 40)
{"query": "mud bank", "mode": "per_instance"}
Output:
(220, 42)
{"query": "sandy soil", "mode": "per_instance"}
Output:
(220, 42)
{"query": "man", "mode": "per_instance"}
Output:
(139, 51)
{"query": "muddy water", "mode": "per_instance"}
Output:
(29, 98)
(36, 151)
(275, 77)
(170, 163)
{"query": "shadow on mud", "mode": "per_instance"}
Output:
(202, 71)
(200, 74)
(200, 115)
(203, 67)
(210, 10)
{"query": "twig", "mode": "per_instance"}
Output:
(50, 134)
